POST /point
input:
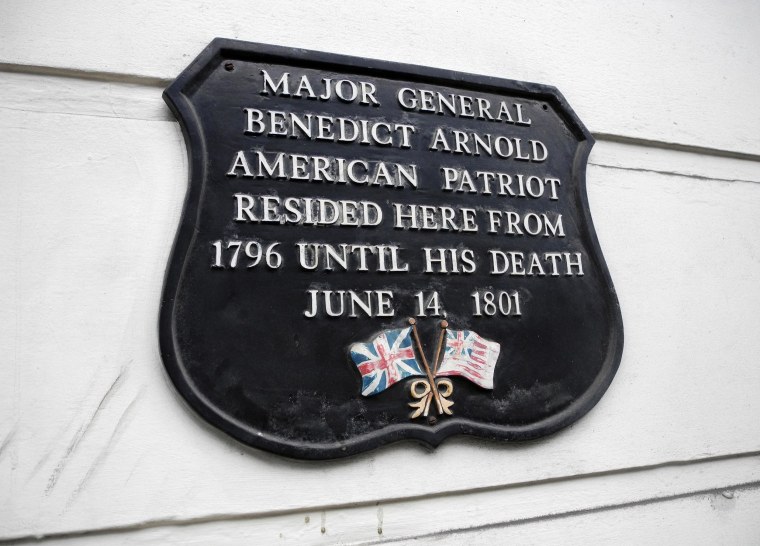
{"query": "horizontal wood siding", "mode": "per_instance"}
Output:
(96, 447)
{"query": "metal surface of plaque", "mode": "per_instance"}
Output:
(372, 252)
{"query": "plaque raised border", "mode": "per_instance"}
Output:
(228, 55)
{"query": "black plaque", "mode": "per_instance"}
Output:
(372, 252)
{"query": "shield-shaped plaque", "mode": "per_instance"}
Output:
(372, 252)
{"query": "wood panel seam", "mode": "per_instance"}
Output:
(748, 486)
(221, 517)
(154, 81)
(79, 74)
(673, 173)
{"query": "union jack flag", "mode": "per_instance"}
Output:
(470, 356)
(385, 360)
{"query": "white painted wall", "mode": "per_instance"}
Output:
(97, 448)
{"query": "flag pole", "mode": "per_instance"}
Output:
(436, 362)
(431, 378)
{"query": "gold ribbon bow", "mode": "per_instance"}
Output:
(421, 390)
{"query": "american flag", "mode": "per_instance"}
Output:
(385, 360)
(470, 356)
